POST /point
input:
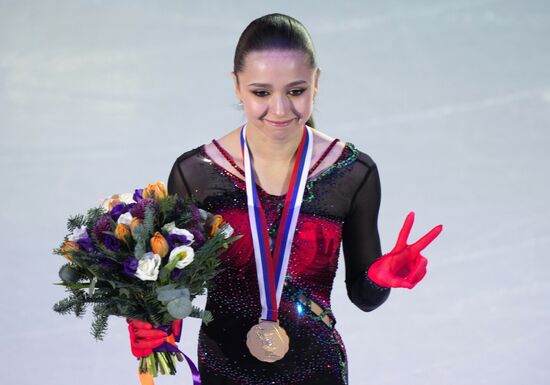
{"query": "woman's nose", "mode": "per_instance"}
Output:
(280, 105)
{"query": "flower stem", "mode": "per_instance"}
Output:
(162, 359)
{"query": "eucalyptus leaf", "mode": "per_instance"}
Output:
(171, 294)
(68, 274)
(179, 308)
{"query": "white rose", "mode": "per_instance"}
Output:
(126, 198)
(113, 200)
(226, 230)
(78, 234)
(185, 254)
(177, 231)
(125, 219)
(148, 267)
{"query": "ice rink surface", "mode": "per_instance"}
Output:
(450, 98)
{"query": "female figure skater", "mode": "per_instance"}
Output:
(271, 301)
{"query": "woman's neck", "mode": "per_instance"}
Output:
(271, 146)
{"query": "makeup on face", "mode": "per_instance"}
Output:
(275, 88)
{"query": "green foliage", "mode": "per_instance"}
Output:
(75, 222)
(204, 314)
(79, 308)
(149, 221)
(141, 238)
(93, 216)
(100, 322)
(65, 306)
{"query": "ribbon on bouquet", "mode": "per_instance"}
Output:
(169, 346)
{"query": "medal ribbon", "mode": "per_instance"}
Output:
(271, 268)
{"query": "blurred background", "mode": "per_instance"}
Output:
(450, 98)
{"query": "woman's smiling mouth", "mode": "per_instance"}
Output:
(279, 123)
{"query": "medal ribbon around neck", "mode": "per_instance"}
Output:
(271, 269)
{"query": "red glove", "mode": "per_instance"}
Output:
(404, 266)
(144, 338)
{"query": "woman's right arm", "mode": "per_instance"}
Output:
(177, 183)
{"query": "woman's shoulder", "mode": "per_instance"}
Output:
(343, 146)
(363, 156)
(191, 155)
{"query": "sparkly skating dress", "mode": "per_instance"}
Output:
(340, 203)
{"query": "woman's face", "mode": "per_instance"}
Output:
(277, 88)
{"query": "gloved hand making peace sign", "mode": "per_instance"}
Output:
(404, 266)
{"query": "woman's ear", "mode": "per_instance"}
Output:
(236, 85)
(316, 81)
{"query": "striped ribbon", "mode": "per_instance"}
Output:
(271, 268)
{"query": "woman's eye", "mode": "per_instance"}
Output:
(260, 93)
(296, 92)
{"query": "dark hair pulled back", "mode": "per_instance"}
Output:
(274, 31)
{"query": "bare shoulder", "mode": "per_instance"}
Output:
(322, 141)
(230, 142)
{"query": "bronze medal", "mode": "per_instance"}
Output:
(267, 341)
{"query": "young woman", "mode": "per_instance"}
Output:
(271, 301)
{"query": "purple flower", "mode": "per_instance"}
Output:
(86, 243)
(103, 224)
(196, 214)
(199, 238)
(138, 195)
(111, 242)
(118, 210)
(175, 240)
(130, 266)
(138, 210)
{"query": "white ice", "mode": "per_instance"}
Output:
(450, 98)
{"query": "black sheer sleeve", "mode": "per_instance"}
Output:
(177, 184)
(361, 242)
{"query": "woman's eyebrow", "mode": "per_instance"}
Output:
(295, 83)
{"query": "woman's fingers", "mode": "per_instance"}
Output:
(151, 333)
(140, 324)
(404, 232)
(397, 283)
(148, 344)
(418, 272)
(426, 239)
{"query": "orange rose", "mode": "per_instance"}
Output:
(159, 245)
(217, 220)
(156, 191)
(67, 248)
(122, 232)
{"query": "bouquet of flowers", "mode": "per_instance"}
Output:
(143, 256)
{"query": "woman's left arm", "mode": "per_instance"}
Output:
(361, 241)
